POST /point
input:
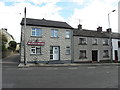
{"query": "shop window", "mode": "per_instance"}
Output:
(36, 50)
(36, 32)
(54, 33)
(82, 54)
(105, 54)
(68, 50)
(67, 34)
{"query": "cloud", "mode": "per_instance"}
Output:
(93, 15)
(10, 17)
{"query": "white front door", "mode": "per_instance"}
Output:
(55, 53)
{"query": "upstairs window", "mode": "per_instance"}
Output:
(105, 42)
(82, 41)
(94, 41)
(36, 32)
(54, 33)
(67, 34)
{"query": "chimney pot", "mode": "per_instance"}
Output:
(79, 26)
(99, 29)
(109, 30)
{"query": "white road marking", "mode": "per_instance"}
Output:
(52, 68)
(91, 67)
(25, 68)
(73, 68)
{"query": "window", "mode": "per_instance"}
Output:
(82, 41)
(67, 34)
(54, 33)
(82, 54)
(94, 41)
(36, 50)
(105, 54)
(51, 53)
(36, 32)
(68, 50)
(105, 42)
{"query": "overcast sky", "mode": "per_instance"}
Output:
(90, 13)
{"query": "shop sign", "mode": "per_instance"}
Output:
(36, 43)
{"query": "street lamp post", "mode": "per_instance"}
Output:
(109, 18)
(110, 33)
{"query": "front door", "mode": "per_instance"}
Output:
(116, 55)
(94, 55)
(56, 53)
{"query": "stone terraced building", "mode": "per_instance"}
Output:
(46, 41)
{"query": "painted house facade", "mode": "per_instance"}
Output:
(115, 46)
(46, 41)
(91, 46)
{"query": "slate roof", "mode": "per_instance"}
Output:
(45, 23)
(93, 33)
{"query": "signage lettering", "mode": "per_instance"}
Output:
(36, 43)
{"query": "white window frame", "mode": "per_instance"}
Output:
(104, 54)
(104, 41)
(54, 33)
(35, 48)
(82, 56)
(35, 29)
(67, 34)
(68, 51)
(84, 42)
(94, 42)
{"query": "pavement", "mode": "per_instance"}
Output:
(21, 65)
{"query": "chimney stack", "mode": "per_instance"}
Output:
(79, 26)
(99, 29)
(109, 30)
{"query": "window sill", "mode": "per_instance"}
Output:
(36, 54)
(67, 54)
(105, 44)
(67, 38)
(82, 57)
(54, 37)
(105, 56)
(82, 44)
(36, 36)
(94, 44)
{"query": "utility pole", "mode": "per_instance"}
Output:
(25, 62)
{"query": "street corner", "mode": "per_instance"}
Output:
(21, 65)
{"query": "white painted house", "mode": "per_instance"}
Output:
(115, 46)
